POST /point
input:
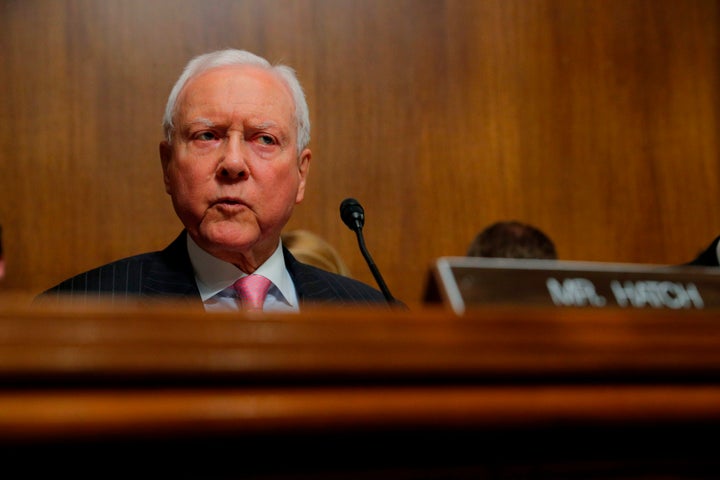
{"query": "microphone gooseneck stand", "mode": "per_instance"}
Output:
(353, 215)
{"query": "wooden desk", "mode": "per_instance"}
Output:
(500, 393)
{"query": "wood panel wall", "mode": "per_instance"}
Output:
(596, 120)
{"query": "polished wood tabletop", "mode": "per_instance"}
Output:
(507, 388)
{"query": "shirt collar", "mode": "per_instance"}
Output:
(213, 275)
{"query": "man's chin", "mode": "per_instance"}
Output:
(227, 236)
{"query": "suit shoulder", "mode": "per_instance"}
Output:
(125, 273)
(317, 285)
(708, 257)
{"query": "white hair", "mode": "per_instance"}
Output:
(223, 58)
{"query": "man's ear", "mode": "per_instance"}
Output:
(165, 158)
(303, 169)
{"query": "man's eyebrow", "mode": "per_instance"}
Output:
(201, 120)
(265, 125)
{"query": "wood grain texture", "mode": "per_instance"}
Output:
(596, 120)
(347, 393)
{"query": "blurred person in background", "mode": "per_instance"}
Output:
(708, 257)
(312, 249)
(2, 257)
(512, 239)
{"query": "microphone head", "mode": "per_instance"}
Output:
(352, 213)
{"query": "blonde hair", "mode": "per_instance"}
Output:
(310, 248)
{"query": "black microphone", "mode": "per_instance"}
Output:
(353, 215)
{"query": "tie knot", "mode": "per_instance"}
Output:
(251, 291)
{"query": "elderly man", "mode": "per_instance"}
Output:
(235, 160)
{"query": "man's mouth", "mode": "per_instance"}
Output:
(228, 203)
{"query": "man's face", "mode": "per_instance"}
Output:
(232, 169)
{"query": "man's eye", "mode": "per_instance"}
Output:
(205, 136)
(266, 139)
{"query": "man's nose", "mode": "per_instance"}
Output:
(233, 164)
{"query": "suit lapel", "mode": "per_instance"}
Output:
(308, 284)
(171, 273)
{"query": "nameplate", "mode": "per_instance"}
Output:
(467, 282)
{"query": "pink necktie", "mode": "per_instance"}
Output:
(251, 291)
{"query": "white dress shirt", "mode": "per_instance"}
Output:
(215, 278)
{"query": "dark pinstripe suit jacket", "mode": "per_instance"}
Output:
(168, 274)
